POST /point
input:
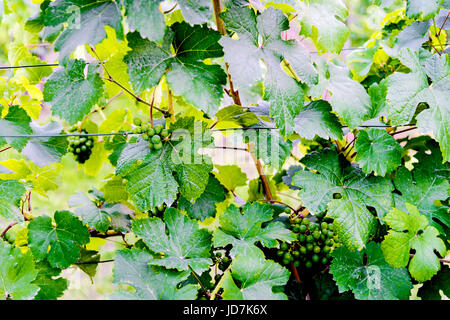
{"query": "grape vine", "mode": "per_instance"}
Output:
(301, 146)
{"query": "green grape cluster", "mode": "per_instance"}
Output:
(80, 146)
(224, 260)
(154, 135)
(315, 242)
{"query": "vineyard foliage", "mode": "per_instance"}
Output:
(341, 108)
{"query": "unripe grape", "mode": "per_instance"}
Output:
(156, 139)
(158, 128)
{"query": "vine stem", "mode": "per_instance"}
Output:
(402, 131)
(7, 148)
(199, 282)
(295, 272)
(93, 262)
(443, 24)
(2, 235)
(112, 80)
(95, 234)
(219, 284)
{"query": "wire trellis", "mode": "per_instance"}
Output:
(30, 136)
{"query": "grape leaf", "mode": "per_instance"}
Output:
(49, 288)
(195, 12)
(205, 205)
(46, 150)
(184, 247)
(412, 231)
(268, 145)
(17, 273)
(11, 192)
(377, 151)
(145, 17)
(16, 122)
(407, 90)
(441, 281)
(131, 267)
(244, 230)
(352, 217)
(231, 176)
(71, 93)
(426, 184)
(97, 216)
(317, 119)
(371, 280)
(252, 277)
(86, 21)
(349, 98)
(323, 21)
(177, 166)
(238, 115)
(88, 262)
(187, 74)
(260, 38)
(59, 244)
(425, 9)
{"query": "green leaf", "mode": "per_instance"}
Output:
(176, 167)
(46, 150)
(260, 38)
(11, 192)
(152, 183)
(252, 277)
(407, 90)
(58, 244)
(205, 205)
(95, 216)
(349, 98)
(131, 267)
(431, 289)
(49, 288)
(88, 262)
(286, 98)
(17, 273)
(412, 231)
(115, 190)
(324, 22)
(201, 84)
(268, 146)
(424, 186)
(145, 17)
(353, 220)
(317, 119)
(185, 247)
(16, 122)
(147, 62)
(244, 230)
(231, 176)
(196, 12)
(238, 115)
(86, 21)
(371, 280)
(377, 151)
(425, 9)
(71, 93)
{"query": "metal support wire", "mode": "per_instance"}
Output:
(131, 133)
